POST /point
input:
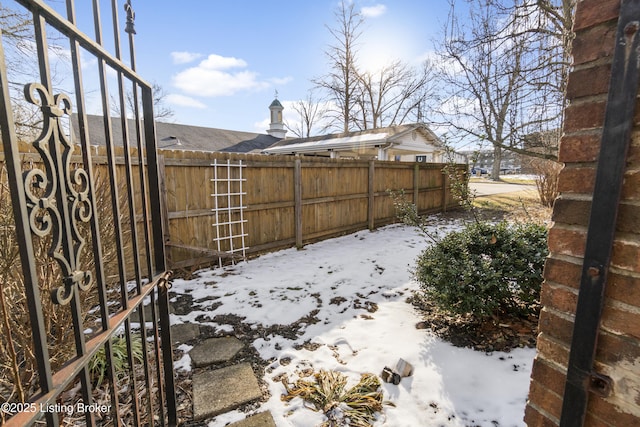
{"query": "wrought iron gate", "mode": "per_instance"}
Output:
(96, 211)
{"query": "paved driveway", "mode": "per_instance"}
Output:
(485, 188)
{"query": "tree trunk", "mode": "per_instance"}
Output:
(497, 159)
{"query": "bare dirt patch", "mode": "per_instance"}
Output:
(498, 333)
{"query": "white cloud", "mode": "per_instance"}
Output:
(184, 101)
(374, 11)
(184, 57)
(217, 62)
(261, 126)
(212, 77)
(280, 81)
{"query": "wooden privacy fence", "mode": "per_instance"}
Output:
(291, 201)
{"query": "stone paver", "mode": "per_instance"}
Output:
(222, 390)
(215, 350)
(263, 419)
(184, 332)
(147, 313)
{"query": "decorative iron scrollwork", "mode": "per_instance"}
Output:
(58, 197)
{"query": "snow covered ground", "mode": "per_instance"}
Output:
(356, 287)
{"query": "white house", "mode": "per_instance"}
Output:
(409, 142)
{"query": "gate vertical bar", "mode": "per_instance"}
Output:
(95, 228)
(160, 261)
(132, 211)
(23, 232)
(115, 198)
(616, 135)
(130, 30)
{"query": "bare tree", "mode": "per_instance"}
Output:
(392, 94)
(310, 112)
(342, 80)
(161, 111)
(22, 67)
(369, 99)
(505, 72)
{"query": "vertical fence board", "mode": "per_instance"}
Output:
(371, 196)
(297, 184)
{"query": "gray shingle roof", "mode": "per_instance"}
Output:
(182, 137)
(391, 131)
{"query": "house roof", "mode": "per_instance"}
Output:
(182, 137)
(400, 139)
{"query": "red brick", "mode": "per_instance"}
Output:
(591, 420)
(628, 218)
(589, 115)
(577, 180)
(548, 375)
(594, 12)
(631, 185)
(588, 82)
(571, 212)
(601, 410)
(580, 148)
(563, 272)
(593, 43)
(555, 326)
(533, 418)
(633, 157)
(577, 212)
(545, 398)
(612, 348)
(623, 288)
(567, 242)
(622, 322)
(626, 255)
(559, 297)
(552, 349)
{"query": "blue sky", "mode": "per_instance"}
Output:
(220, 62)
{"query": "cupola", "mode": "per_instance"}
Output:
(276, 127)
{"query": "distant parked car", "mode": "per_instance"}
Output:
(480, 171)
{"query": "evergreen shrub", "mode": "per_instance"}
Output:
(485, 269)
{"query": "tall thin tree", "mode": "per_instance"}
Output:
(341, 81)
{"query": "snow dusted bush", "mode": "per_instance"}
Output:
(485, 269)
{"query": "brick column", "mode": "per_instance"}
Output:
(618, 351)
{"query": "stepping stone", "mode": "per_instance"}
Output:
(215, 350)
(183, 332)
(222, 390)
(147, 313)
(263, 419)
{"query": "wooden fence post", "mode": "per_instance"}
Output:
(416, 184)
(163, 198)
(445, 191)
(297, 195)
(371, 206)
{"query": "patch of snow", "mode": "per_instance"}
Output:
(349, 297)
(184, 363)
